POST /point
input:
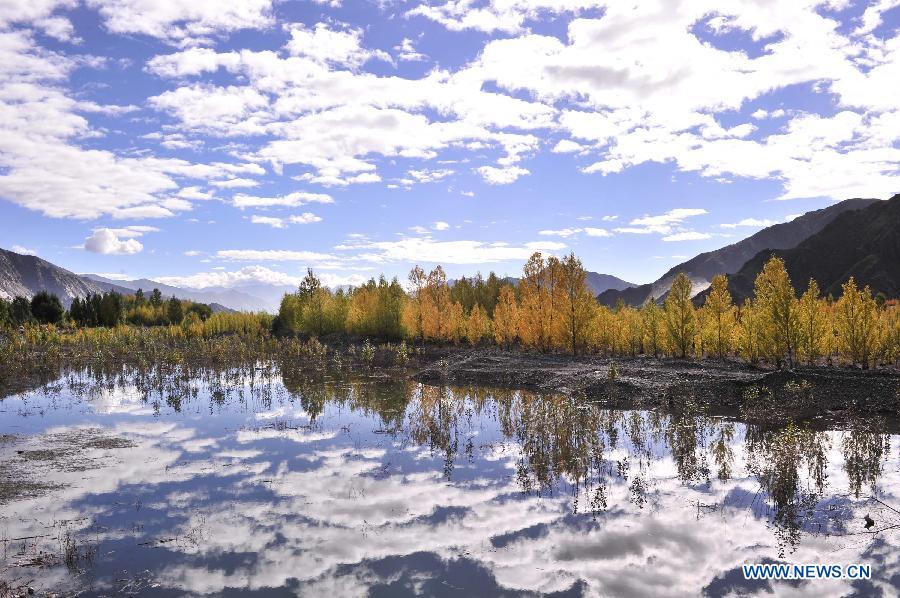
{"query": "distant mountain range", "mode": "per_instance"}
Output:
(731, 258)
(235, 299)
(598, 283)
(25, 275)
(862, 243)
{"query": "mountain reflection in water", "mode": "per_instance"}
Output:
(247, 482)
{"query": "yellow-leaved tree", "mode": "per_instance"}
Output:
(681, 320)
(813, 321)
(478, 326)
(576, 304)
(856, 321)
(748, 331)
(434, 301)
(653, 327)
(779, 323)
(536, 305)
(718, 313)
(412, 310)
(506, 317)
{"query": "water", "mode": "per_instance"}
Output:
(244, 483)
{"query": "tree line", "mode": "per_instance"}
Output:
(551, 308)
(103, 309)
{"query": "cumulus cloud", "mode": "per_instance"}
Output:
(106, 241)
(501, 176)
(183, 22)
(248, 274)
(326, 45)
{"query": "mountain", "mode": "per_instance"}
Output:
(228, 299)
(26, 275)
(863, 243)
(729, 259)
(597, 282)
(600, 283)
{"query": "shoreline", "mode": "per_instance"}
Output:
(818, 395)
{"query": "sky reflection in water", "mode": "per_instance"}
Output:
(242, 483)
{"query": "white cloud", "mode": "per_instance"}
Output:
(235, 183)
(268, 220)
(567, 146)
(662, 224)
(105, 241)
(687, 236)
(45, 167)
(276, 222)
(326, 45)
(428, 250)
(501, 176)
(440, 225)
(304, 218)
(273, 255)
(183, 22)
(563, 232)
(406, 51)
(750, 222)
(219, 278)
(597, 232)
(23, 250)
(497, 15)
(291, 200)
(429, 176)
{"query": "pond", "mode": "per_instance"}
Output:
(253, 482)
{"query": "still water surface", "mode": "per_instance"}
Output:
(247, 482)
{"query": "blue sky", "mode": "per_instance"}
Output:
(221, 142)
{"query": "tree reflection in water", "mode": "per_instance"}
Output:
(561, 444)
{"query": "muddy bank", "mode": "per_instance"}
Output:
(821, 396)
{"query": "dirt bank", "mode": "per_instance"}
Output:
(820, 395)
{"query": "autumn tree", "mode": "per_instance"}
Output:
(412, 312)
(652, 323)
(891, 337)
(506, 317)
(778, 310)
(856, 320)
(576, 304)
(434, 300)
(536, 307)
(478, 326)
(679, 315)
(748, 331)
(813, 323)
(719, 315)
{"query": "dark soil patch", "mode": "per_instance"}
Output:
(819, 395)
(42, 455)
(17, 489)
